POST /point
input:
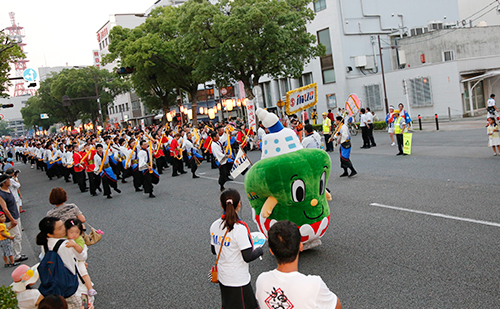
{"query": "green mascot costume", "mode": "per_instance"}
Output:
(289, 183)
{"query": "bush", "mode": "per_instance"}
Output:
(8, 299)
(318, 127)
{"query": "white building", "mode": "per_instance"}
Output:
(13, 114)
(350, 31)
(126, 107)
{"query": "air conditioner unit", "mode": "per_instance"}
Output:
(418, 30)
(402, 57)
(360, 61)
(435, 25)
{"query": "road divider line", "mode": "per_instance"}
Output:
(238, 182)
(437, 215)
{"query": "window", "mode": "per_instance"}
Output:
(306, 79)
(373, 97)
(126, 106)
(268, 101)
(327, 69)
(419, 90)
(331, 100)
(284, 87)
(448, 55)
(319, 5)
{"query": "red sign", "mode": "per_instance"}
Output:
(223, 91)
(102, 34)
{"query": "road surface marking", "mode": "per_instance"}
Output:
(437, 215)
(238, 182)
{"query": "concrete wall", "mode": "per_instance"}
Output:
(464, 42)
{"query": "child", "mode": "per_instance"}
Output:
(494, 140)
(232, 236)
(286, 286)
(74, 232)
(6, 243)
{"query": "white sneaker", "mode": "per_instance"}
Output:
(393, 144)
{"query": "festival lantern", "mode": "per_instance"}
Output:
(181, 109)
(229, 105)
(169, 117)
(244, 102)
(201, 110)
(211, 113)
(190, 114)
(219, 106)
(238, 103)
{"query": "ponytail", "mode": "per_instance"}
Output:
(46, 227)
(230, 199)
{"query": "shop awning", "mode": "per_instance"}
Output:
(482, 76)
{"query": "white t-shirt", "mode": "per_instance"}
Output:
(312, 141)
(27, 299)
(491, 102)
(275, 289)
(363, 120)
(369, 118)
(232, 269)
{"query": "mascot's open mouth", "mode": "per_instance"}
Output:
(312, 218)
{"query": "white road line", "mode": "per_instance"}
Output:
(238, 182)
(437, 215)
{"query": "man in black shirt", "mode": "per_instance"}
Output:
(13, 222)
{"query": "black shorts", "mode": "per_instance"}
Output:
(241, 297)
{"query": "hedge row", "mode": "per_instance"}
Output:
(377, 125)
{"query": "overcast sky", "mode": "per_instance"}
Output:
(63, 32)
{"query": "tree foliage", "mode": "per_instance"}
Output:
(4, 128)
(9, 53)
(248, 39)
(79, 84)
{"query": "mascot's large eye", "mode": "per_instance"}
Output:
(298, 191)
(322, 184)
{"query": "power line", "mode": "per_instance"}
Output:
(494, 8)
(481, 10)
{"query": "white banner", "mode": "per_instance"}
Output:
(240, 164)
(301, 98)
(252, 124)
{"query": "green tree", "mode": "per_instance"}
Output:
(9, 53)
(31, 114)
(81, 85)
(164, 64)
(247, 39)
(4, 128)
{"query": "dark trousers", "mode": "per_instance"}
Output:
(41, 165)
(94, 182)
(241, 297)
(193, 165)
(147, 182)
(329, 145)
(79, 177)
(137, 176)
(212, 159)
(161, 163)
(364, 135)
(108, 183)
(370, 135)
(399, 138)
(224, 173)
(67, 173)
(177, 167)
(51, 172)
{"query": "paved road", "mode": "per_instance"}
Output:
(437, 247)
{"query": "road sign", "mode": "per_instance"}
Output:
(2, 117)
(30, 75)
(223, 91)
(44, 116)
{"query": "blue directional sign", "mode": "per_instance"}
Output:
(30, 75)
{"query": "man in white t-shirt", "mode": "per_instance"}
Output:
(285, 287)
(491, 106)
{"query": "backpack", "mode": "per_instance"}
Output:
(55, 278)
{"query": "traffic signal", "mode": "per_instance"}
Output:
(7, 105)
(32, 84)
(125, 70)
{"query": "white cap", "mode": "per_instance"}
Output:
(279, 140)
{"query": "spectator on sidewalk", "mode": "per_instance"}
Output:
(13, 222)
(389, 119)
(363, 124)
(286, 285)
(369, 117)
(399, 129)
(62, 210)
(327, 131)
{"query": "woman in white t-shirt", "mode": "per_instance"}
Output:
(237, 252)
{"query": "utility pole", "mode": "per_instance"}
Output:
(383, 76)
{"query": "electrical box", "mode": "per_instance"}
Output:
(360, 61)
(370, 62)
(402, 57)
